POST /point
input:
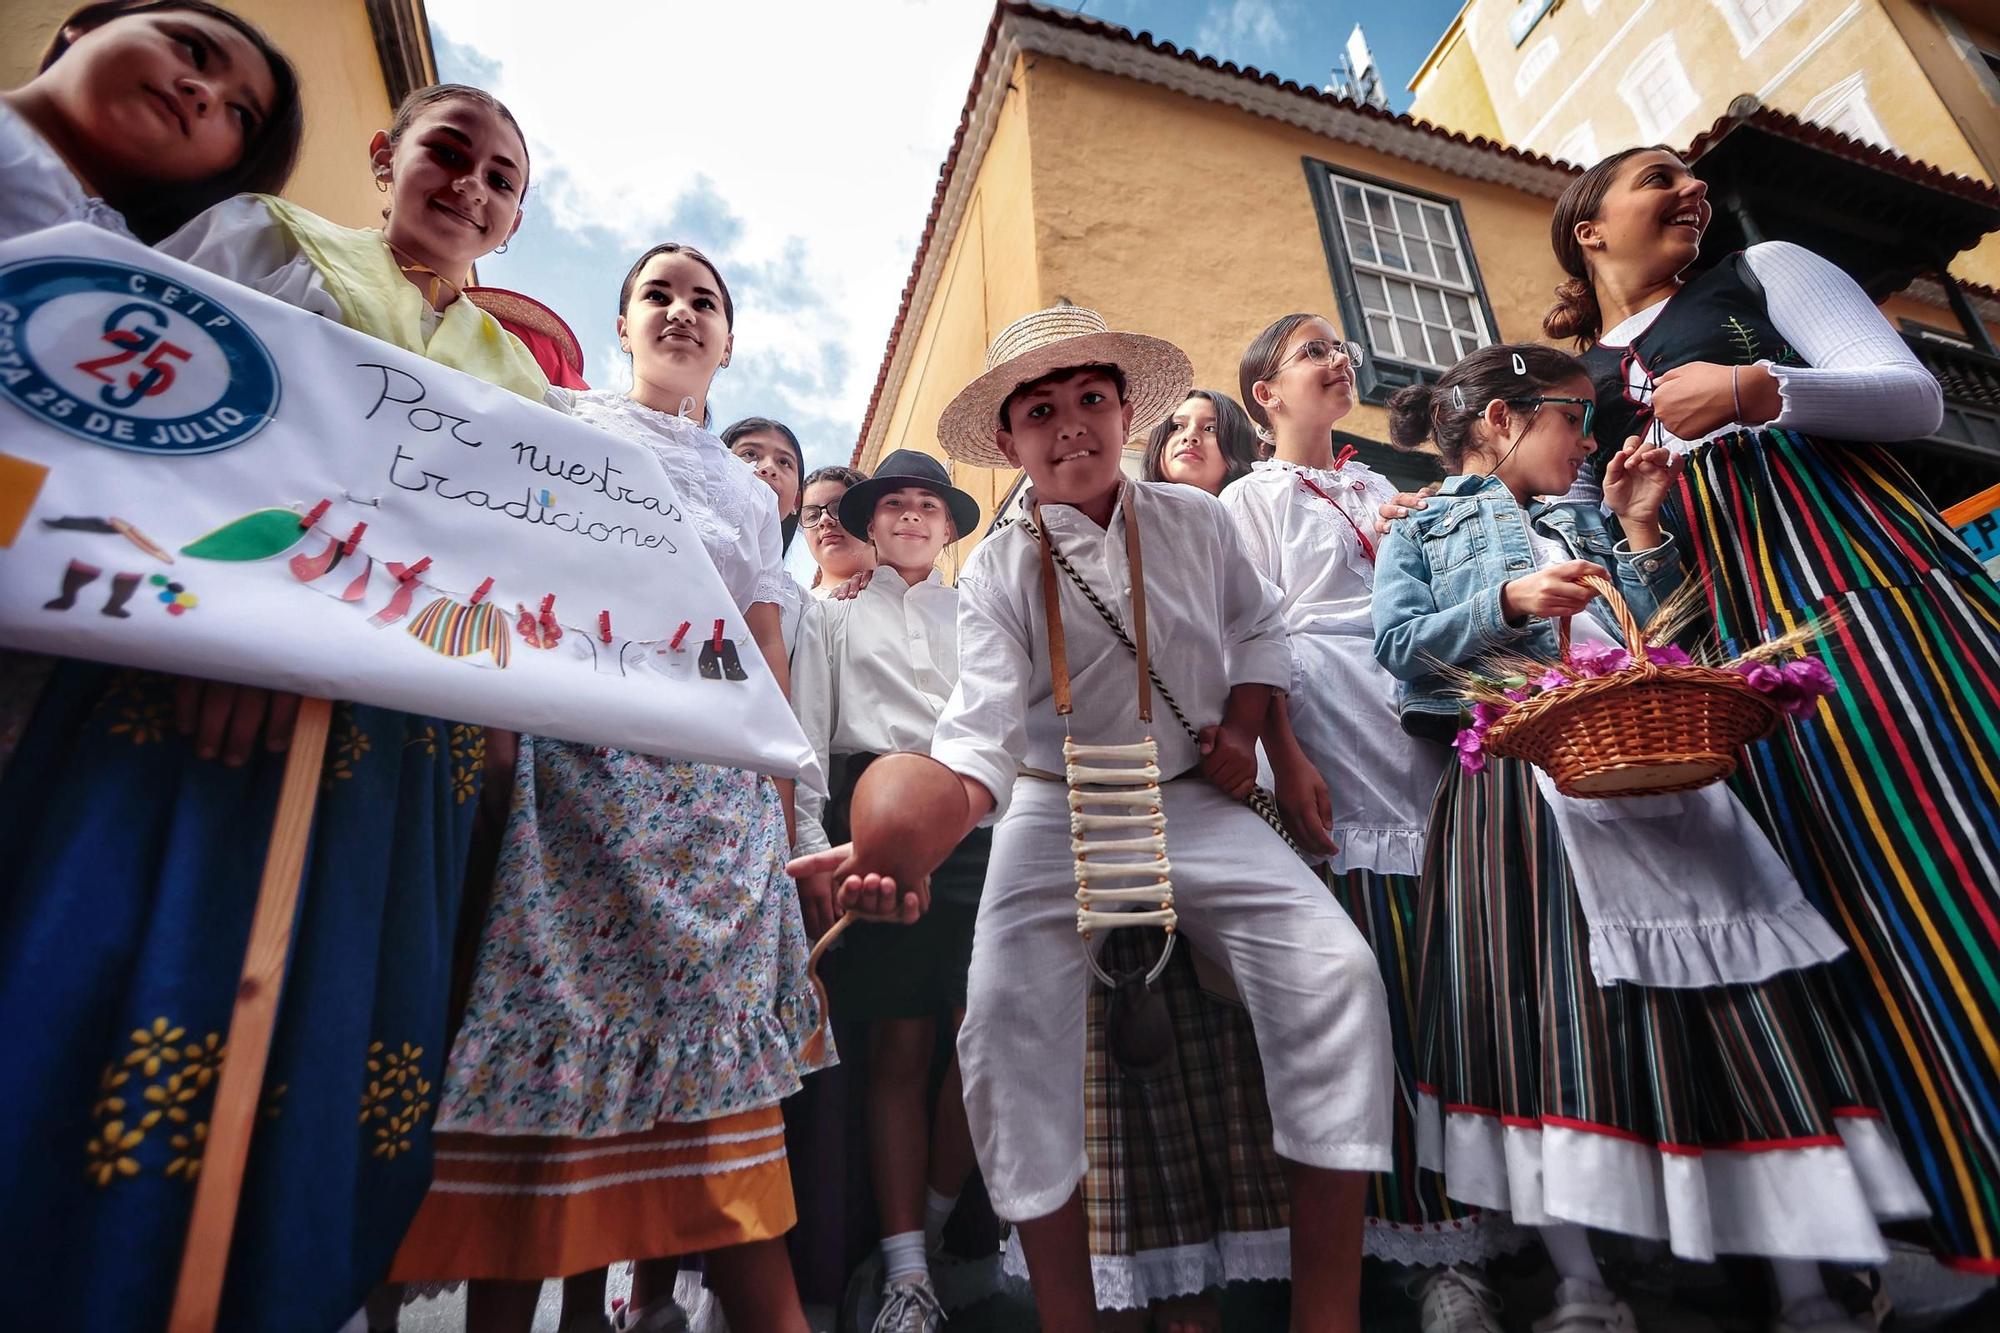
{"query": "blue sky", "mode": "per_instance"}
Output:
(798, 142)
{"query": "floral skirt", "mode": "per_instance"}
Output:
(643, 961)
(128, 872)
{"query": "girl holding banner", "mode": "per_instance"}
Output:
(640, 1003)
(129, 858)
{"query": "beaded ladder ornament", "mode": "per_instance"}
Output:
(1117, 819)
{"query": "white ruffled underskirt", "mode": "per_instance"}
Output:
(1386, 851)
(1133, 1281)
(1810, 1200)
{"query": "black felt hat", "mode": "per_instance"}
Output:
(901, 469)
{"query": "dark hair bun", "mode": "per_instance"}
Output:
(1410, 415)
(1575, 314)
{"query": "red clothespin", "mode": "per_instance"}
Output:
(718, 636)
(315, 514)
(550, 630)
(679, 634)
(604, 626)
(479, 593)
(404, 573)
(353, 539)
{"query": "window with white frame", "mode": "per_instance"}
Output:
(1534, 64)
(1579, 146)
(1404, 271)
(1751, 21)
(1656, 87)
(1845, 108)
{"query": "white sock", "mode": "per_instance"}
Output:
(937, 1211)
(1800, 1285)
(903, 1257)
(1569, 1250)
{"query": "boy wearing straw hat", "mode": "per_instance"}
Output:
(1040, 661)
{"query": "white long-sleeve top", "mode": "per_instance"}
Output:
(1212, 623)
(1313, 546)
(41, 190)
(1862, 381)
(872, 676)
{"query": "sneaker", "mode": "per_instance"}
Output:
(1583, 1308)
(909, 1306)
(1451, 1300)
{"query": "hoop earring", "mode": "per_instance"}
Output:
(382, 184)
(501, 249)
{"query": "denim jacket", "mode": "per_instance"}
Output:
(1437, 586)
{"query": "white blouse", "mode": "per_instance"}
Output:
(1862, 380)
(1310, 532)
(238, 239)
(734, 513)
(41, 191)
(872, 675)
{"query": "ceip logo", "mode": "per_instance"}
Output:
(120, 356)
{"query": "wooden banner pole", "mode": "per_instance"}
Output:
(219, 1188)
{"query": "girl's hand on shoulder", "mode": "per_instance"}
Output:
(1401, 506)
(1637, 479)
(225, 721)
(1557, 590)
(846, 592)
(1702, 396)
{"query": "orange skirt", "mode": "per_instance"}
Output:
(526, 1208)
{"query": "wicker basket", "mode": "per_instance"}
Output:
(1646, 729)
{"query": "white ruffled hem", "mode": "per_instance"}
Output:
(1134, 1281)
(1811, 1199)
(1467, 1240)
(1385, 851)
(1694, 955)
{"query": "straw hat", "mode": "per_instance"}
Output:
(1157, 376)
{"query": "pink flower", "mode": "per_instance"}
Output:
(1551, 679)
(1597, 659)
(1485, 715)
(1764, 678)
(1471, 747)
(1519, 694)
(1796, 687)
(1668, 655)
(1809, 673)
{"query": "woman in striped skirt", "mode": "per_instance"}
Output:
(1781, 381)
(1624, 1022)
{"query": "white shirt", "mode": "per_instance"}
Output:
(41, 191)
(792, 602)
(238, 239)
(1308, 545)
(1862, 380)
(731, 509)
(1211, 622)
(872, 676)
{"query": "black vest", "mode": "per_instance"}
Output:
(1719, 317)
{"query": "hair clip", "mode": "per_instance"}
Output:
(1520, 366)
(1458, 397)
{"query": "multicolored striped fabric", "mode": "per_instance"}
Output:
(1886, 802)
(459, 629)
(1514, 1027)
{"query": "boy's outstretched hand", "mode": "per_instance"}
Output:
(871, 897)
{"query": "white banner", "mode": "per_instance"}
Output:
(198, 479)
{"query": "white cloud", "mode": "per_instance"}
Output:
(798, 142)
(1238, 29)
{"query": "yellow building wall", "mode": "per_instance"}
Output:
(989, 280)
(346, 98)
(1193, 221)
(1818, 45)
(1451, 92)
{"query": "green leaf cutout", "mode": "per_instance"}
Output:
(256, 536)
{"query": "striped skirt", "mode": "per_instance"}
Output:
(1733, 1119)
(1886, 802)
(523, 1208)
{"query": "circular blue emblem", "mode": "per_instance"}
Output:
(121, 356)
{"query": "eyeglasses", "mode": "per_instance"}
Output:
(1589, 406)
(811, 516)
(1321, 353)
